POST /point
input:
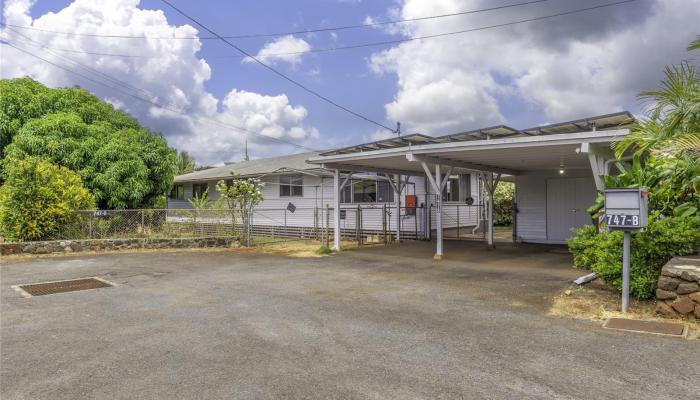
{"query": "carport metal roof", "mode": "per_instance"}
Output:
(497, 149)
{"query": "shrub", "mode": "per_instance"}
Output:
(503, 198)
(651, 249)
(324, 250)
(38, 199)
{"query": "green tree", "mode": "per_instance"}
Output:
(184, 163)
(39, 199)
(241, 197)
(121, 163)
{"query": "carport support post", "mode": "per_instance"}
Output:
(626, 271)
(336, 210)
(397, 199)
(438, 213)
(489, 184)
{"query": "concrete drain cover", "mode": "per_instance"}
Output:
(655, 327)
(44, 288)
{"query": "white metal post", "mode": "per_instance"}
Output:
(489, 184)
(438, 213)
(626, 271)
(397, 200)
(336, 210)
(426, 210)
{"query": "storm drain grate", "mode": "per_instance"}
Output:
(640, 326)
(41, 289)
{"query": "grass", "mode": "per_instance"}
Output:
(598, 303)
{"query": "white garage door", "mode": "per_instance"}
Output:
(567, 201)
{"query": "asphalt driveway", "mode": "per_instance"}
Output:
(380, 323)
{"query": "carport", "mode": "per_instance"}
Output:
(556, 169)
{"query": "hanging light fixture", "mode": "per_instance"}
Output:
(561, 167)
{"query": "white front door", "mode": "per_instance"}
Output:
(567, 201)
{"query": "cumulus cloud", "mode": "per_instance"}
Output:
(167, 72)
(288, 49)
(567, 67)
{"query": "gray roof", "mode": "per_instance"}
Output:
(602, 122)
(262, 166)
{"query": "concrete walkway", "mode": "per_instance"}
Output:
(380, 323)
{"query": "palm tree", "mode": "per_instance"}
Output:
(184, 163)
(673, 115)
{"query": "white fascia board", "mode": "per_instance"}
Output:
(504, 143)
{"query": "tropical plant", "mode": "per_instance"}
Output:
(39, 199)
(664, 238)
(240, 197)
(503, 198)
(199, 203)
(123, 164)
(184, 163)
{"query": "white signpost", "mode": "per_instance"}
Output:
(626, 210)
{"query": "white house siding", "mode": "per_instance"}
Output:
(318, 193)
(531, 200)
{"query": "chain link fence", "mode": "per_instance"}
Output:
(365, 224)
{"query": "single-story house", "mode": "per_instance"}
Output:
(298, 194)
(556, 169)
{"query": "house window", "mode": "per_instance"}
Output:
(291, 186)
(458, 188)
(178, 192)
(198, 189)
(367, 191)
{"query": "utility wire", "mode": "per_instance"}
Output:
(156, 104)
(385, 42)
(275, 71)
(299, 32)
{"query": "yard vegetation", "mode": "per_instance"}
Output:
(663, 153)
(74, 134)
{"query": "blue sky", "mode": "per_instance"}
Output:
(568, 67)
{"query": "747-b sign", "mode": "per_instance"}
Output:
(622, 221)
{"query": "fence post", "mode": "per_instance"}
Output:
(143, 225)
(458, 221)
(357, 225)
(415, 223)
(90, 224)
(384, 222)
(328, 224)
(316, 223)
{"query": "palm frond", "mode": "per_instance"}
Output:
(695, 45)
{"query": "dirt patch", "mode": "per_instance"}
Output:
(598, 303)
(295, 248)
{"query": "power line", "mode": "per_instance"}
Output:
(385, 42)
(298, 32)
(275, 71)
(216, 122)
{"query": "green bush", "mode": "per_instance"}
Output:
(651, 249)
(503, 198)
(38, 199)
(324, 250)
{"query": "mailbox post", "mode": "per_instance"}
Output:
(626, 210)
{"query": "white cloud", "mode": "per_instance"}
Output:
(170, 73)
(567, 67)
(288, 49)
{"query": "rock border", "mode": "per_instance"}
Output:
(76, 246)
(678, 288)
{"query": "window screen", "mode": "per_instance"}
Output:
(178, 192)
(291, 186)
(451, 190)
(198, 189)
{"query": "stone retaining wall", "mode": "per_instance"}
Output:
(678, 290)
(70, 246)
